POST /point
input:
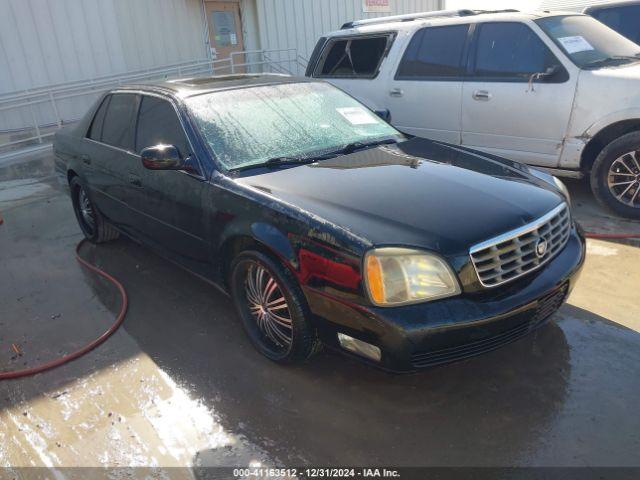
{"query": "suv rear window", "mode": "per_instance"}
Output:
(120, 121)
(434, 52)
(355, 57)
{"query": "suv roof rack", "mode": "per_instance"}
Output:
(418, 16)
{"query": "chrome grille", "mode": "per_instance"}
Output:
(522, 250)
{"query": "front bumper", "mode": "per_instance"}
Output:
(427, 334)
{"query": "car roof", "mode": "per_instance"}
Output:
(447, 18)
(187, 87)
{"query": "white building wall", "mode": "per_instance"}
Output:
(44, 42)
(571, 5)
(299, 23)
(250, 24)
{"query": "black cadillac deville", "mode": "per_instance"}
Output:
(324, 223)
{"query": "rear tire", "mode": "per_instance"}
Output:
(615, 176)
(272, 308)
(93, 225)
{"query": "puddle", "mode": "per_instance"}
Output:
(128, 414)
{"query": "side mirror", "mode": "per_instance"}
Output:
(542, 76)
(384, 114)
(162, 157)
(551, 71)
(548, 73)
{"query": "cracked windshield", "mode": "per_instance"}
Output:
(248, 127)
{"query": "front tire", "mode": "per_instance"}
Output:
(94, 227)
(615, 176)
(272, 308)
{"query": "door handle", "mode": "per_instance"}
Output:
(396, 92)
(86, 159)
(135, 180)
(481, 95)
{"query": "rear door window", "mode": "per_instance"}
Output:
(434, 53)
(95, 131)
(353, 57)
(510, 50)
(120, 121)
(158, 123)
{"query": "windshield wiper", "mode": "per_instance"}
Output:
(290, 160)
(353, 146)
(612, 60)
(276, 162)
(348, 148)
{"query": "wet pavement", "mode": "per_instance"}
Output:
(179, 384)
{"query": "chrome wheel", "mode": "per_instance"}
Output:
(268, 306)
(623, 179)
(86, 210)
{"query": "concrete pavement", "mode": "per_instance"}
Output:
(180, 385)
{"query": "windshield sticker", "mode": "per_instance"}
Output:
(357, 116)
(575, 44)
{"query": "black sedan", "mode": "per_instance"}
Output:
(324, 223)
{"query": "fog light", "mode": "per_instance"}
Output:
(358, 346)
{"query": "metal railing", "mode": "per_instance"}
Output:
(30, 118)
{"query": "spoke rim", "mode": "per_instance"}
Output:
(268, 306)
(623, 179)
(86, 210)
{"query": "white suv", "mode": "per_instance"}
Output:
(559, 91)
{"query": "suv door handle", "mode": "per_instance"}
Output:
(86, 159)
(135, 180)
(481, 95)
(395, 92)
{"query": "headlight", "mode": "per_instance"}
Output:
(563, 188)
(399, 276)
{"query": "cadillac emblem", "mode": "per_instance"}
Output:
(541, 247)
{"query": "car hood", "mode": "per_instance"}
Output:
(619, 72)
(607, 90)
(417, 193)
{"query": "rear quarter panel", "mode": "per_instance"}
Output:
(68, 146)
(66, 151)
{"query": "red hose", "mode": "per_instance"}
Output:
(72, 356)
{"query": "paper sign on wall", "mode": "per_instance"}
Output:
(357, 116)
(575, 44)
(374, 6)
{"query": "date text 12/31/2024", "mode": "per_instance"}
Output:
(262, 472)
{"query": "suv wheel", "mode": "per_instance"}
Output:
(272, 308)
(93, 226)
(615, 176)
